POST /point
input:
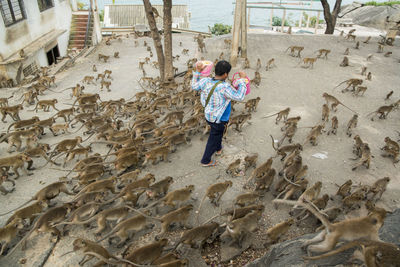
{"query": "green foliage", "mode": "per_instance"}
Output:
(313, 20)
(277, 21)
(374, 3)
(220, 29)
(101, 15)
(81, 6)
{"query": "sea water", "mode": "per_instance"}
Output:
(206, 13)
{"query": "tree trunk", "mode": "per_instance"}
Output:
(156, 37)
(167, 22)
(330, 18)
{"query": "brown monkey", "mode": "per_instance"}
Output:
(16, 162)
(9, 232)
(283, 114)
(369, 76)
(23, 123)
(324, 52)
(350, 82)
(325, 112)
(375, 253)
(357, 145)
(389, 95)
(197, 235)
(270, 64)
(233, 168)
(261, 170)
(257, 78)
(250, 161)
(277, 231)
(334, 126)
(387, 54)
(284, 150)
(378, 188)
(369, 57)
(346, 52)
(45, 105)
(258, 65)
(239, 228)
(146, 254)
(367, 40)
(104, 57)
(180, 195)
(264, 183)
(246, 63)
(66, 145)
(247, 199)
(156, 153)
(251, 104)
(13, 111)
(360, 89)
(308, 195)
(344, 189)
(39, 151)
(106, 84)
(382, 111)
(352, 124)
(88, 79)
(335, 101)
(350, 229)
(94, 68)
(160, 188)
(363, 70)
(357, 45)
(116, 54)
(308, 62)
(65, 114)
(345, 62)
(214, 193)
(380, 48)
(294, 49)
(239, 120)
(365, 157)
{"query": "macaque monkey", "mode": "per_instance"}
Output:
(261, 170)
(88, 79)
(352, 124)
(94, 68)
(313, 135)
(324, 52)
(45, 105)
(389, 95)
(251, 104)
(345, 62)
(308, 62)
(341, 33)
(369, 76)
(294, 49)
(325, 112)
(214, 193)
(382, 111)
(106, 84)
(283, 114)
(387, 54)
(15, 162)
(159, 188)
(66, 145)
(270, 64)
(239, 121)
(334, 125)
(116, 54)
(357, 45)
(250, 161)
(257, 78)
(12, 111)
(335, 101)
(258, 65)
(277, 231)
(233, 168)
(380, 48)
(284, 150)
(346, 52)
(9, 232)
(247, 199)
(360, 90)
(103, 57)
(369, 57)
(367, 40)
(156, 153)
(197, 236)
(363, 70)
(108, 73)
(238, 229)
(365, 157)
(264, 182)
(290, 131)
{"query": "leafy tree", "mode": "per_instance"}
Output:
(277, 21)
(220, 29)
(81, 6)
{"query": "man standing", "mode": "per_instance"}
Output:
(216, 96)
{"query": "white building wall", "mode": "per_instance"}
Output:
(19, 35)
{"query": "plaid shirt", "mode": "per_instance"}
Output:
(221, 97)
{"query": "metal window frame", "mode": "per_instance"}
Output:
(47, 7)
(14, 21)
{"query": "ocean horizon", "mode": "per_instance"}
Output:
(208, 12)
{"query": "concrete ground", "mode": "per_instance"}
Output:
(286, 85)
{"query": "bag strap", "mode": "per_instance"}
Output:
(211, 92)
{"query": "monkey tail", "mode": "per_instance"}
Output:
(268, 116)
(4, 137)
(273, 142)
(88, 137)
(349, 108)
(365, 116)
(34, 108)
(201, 204)
(339, 84)
(91, 219)
(16, 208)
(79, 128)
(287, 49)
(336, 251)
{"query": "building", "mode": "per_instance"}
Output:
(34, 33)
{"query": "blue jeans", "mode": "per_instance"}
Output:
(214, 140)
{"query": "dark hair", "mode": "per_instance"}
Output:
(222, 67)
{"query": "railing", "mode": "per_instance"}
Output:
(89, 23)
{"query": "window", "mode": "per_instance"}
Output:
(12, 11)
(45, 4)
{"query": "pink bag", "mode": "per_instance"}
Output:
(247, 80)
(208, 66)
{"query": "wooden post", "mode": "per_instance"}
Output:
(248, 18)
(283, 20)
(316, 23)
(235, 34)
(272, 15)
(301, 20)
(308, 19)
(243, 32)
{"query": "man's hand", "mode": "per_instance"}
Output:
(199, 66)
(242, 74)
